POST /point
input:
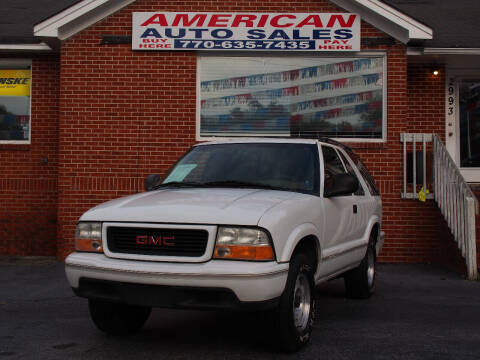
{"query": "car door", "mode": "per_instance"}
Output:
(364, 206)
(340, 227)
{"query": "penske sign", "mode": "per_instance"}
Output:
(246, 31)
(14, 82)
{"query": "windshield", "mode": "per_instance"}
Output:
(289, 167)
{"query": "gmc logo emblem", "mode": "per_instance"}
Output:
(155, 240)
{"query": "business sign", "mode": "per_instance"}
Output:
(246, 31)
(14, 82)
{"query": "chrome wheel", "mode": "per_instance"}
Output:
(296, 311)
(301, 302)
(371, 268)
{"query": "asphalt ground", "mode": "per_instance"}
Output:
(417, 312)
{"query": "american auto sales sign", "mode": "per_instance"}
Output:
(245, 31)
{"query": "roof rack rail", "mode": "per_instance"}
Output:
(298, 136)
(334, 142)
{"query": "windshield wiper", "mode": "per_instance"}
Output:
(178, 184)
(223, 183)
(243, 184)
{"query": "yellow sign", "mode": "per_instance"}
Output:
(14, 82)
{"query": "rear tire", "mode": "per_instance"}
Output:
(296, 311)
(117, 319)
(360, 282)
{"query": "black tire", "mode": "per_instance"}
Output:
(117, 319)
(296, 311)
(360, 282)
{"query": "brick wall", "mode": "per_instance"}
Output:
(126, 114)
(419, 232)
(28, 185)
(415, 231)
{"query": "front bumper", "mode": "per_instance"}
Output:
(247, 281)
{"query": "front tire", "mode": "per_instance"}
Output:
(360, 282)
(117, 319)
(296, 311)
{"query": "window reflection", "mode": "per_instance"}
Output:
(336, 97)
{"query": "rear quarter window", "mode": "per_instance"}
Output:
(372, 186)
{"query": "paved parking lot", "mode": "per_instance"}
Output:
(418, 312)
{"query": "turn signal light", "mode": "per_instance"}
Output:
(238, 252)
(88, 245)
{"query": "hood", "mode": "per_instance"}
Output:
(191, 206)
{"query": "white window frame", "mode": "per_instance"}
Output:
(383, 54)
(21, 63)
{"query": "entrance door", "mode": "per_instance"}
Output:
(463, 125)
(469, 122)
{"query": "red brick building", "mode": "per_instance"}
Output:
(95, 116)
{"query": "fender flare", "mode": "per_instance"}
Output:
(371, 223)
(300, 232)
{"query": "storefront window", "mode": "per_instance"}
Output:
(14, 103)
(339, 97)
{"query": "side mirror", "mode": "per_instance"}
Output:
(151, 181)
(343, 184)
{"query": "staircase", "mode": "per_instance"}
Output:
(453, 195)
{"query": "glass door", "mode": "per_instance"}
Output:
(469, 122)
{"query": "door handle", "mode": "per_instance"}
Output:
(355, 209)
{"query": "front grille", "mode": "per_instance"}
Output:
(157, 241)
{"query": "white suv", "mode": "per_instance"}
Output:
(243, 224)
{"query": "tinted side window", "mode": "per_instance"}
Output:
(365, 174)
(360, 191)
(332, 166)
(368, 179)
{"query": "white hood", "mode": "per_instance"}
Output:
(190, 206)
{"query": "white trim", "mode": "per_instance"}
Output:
(50, 26)
(416, 51)
(383, 139)
(15, 62)
(18, 142)
(416, 29)
(451, 51)
(78, 17)
(198, 104)
(87, 12)
(21, 62)
(451, 125)
(471, 175)
(29, 47)
(393, 22)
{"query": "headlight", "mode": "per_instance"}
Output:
(243, 244)
(88, 237)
